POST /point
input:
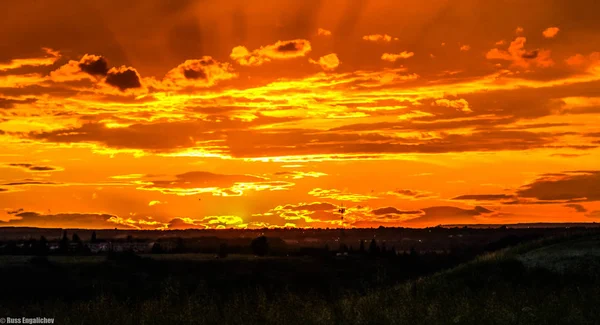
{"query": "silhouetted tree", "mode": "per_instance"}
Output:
(373, 249)
(383, 248)
(156, 248)
(79, 248)
(260, 246)
(93, 239)
(41, 247)
(413, 255)
(63, 245)
(362, 246)
(343, 248)
(129, 238)
(223, 250)
(179, 245)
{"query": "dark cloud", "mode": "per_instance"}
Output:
(62, 220)
(163, 137)
(193, 183)
(55, 90)
(17, 211)
(572, 185)
(10, 103)
(418, 125)
(315, 206)
(203, 72)
(412, 193)
(290, 46)
(530, 54)
(178, 223)
(3, 189)
(577, 207)
(283, 173)
(567, 155)
(42, 168)
(194, 74)
(201, 179)
(123, 79)
(484, 197)
(158, 136)
(32, 167)
(94, 65)
(305, 142)
(30, 183)
(23, 165)
(392, 210)
(448, 214)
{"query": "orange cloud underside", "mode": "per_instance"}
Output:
(276, 114)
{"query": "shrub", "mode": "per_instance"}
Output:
(260, 246)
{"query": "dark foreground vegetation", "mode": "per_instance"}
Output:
(371, 285)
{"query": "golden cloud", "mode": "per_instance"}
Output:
(193, 183)
(460, 104)
(328, 62)
(208, 222)
(279, 51)
(204, 72)
(336, 194)
(323, 32)
(379, 38)
(49, 59)
(155, 202)
(550, 32)
(411, 194)
(391, 57)
(299, 174)
(590, 63)
(520, 57)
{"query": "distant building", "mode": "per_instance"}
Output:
(120, 247)
(312, 240)
(98, 247)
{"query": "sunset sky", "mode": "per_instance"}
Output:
(156, 114)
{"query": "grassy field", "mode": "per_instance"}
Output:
(520, 285)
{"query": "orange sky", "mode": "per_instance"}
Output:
(208, 114)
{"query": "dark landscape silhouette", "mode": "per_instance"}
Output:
(297, 276)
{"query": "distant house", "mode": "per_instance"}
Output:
(165, 245)
(98, 247)
(133, 247)
(120, 247)
(311, 240)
